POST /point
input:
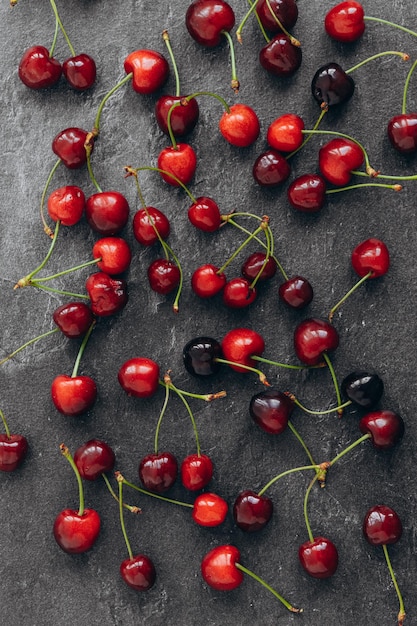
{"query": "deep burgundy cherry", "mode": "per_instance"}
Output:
(158, 472)
(240, 125)
(73, 395)
(238, 293)
(38, 70)
(205, 215)
(80, 71)
(270, 410)
(344, 22)
(255, 263)
(296, 292)
(73, 318)
(219, 570)
(163, 276)
(312, 338)
(138, 572)
(285, 10)
(66, 204)
(200, 354)
(382, 525)
(196, 471)
(240, 345)
(150, 70)
(69, 146)
(183, 117)
(206, 20)
(402, 132)
(338, 158)
(108, 295)
(13, 451)
(307, 193)
(139, 377)
(181, 161)
(363, 388)
(385, 427)
(319, 557)
(114, 254)
(146, 222)
(280, 57)
(93, 458)
(209, 510)
(285, 132)
(76, 533)
(206, 282)
(252, 512)
(331, 85)
(371, 255)
(107, 212)
(271, 169)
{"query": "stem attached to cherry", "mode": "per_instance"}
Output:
(153, 494)
(285, 602)
(81, 349)
(66, 453)
(27, 280)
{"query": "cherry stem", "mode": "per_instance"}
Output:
(165, 37)
(349, 293)
(66, 453)
(406, 85)
(253, 6)
(169, 383)
(261, 359)
(132, 509)
(207, 397)
(88, 145)
(386, 176)
(360, 185)
(28, 343)
(349, 448)
(246, 368)
(388, 23)
(61, 292)
(156, 495)
(260, 229)
(82, 348)
(309, 136)
(302, 468)
(335, 383)
(54, 40)
(403, 55)
(234, 82)
(293, 40)
(27, 280)
(68, 271)
(58, 19)
(370, 171)
(97, 120)
(46, 228)
(314, 412)
(401, 613)
(6, 427)
(161, 415)
(301, 441)
(307, 521)
(130, 171)
(119, 479)
(267, 586)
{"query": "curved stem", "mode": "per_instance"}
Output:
(156, 495)
(269, 249)
(119, 479)
(253, 6)
(66, 453)
(267, 586)
(360, 185)
(106, 97)
(261, 359)
(348, 293)
(403, 55)
(369, 169)
(46, 228)
(386, 176)
(161, 415)
(207, 397)
(130, 171)
(386, 22)
(132, 509)
(58, 19)
(401, 613)
(28, 343)
(301, 441)
(314, 412)
(350, 448)
(165, 37)
(27, 280)
(239, 249)
(335, 383)
(6, 427)
(234, 82)
(246, 368)
(406, 85)
(302, 468)
(306, 519)
(82, 348)
(88, 149)
(68, 271)
(309, 136)
(292, 39)
(61, 292)
(190, 413)
(55, 37)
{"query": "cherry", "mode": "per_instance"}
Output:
(382, 525)
(93, 458)
(114, 254)
(163, 275)
(80, 71)
(73, 318)
(319, 557)
(107, 295)
(363, 388)
(252, 512)
(219, 570)
(66, 204)
(345, 21)
(371, 256)
(183, 118)
(200, 354)
(150, 70)
(139, 377)
(208, 20)
(196, 471)
(238, 293)
(307, 193)
(255, 263)
(385, 427)
(69, 146)
(107, 212)
(204, 214)
(296, 292)
(158, 471)
(180, 161)
(338, 158)
(402, 132)
(240, 345)
(209, 510)
(138, 572)
(285, 132)
(271, 169)
(331, 85)
(286, 11)
(240, 125)
(146, 222)
(270, 410)
(37, 69)
(73, 395)
(280, 57)
(313, 338)
(206, 281)
(13, 448)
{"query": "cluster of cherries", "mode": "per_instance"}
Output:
(106, 291)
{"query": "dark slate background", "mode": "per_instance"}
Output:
(41, 585)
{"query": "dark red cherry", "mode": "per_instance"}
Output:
(285, 10)
(382, 525)
(196, 471)
(280, 57)
(69, 146)
(238, 293)
(139, 377)
(73, 318)
(219, 570)
(38, 70)
(66, 204)
(319, 557)
(285, 132)
(181, 161)
(345, 21)
(385, 427)
(146, 222)
(371, 255)
(206, 20)
(240, 345)
(363, 388)
(73, 395)
(312, 338)
(80, 71)
(331, 85)
(307, 193)
(200, 354)
(296, 292)
(150, 70)
(255, 263)
(163, 275)
(240, 125)
(270, 410)
(206, 282)
(271, 169)
(209, 510)
(108, 295)
(13, 451)
(107, 212)
(252, 512)
(204, 214)
(93, 458)
(138, 572)
(183, 117)
(158, 472)
(338, 158)
(76, 533)
(114, 254)
(402, 132)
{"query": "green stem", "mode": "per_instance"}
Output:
(190, 413)
(28, 343)
(167, 41)
(245, 19)
(234, 82)
(350, 448)
(156, 495)
(403, 55)
(81, 350)
(207, 397)
(335, 383)
(406, 85)
(61, 292)
(349, 293)
(309, 136)
(132, 509)
(360, 185)
(269, 250)
(267, 586)
(301, 441)
(88, 149)
(386, 22)
(66, 453)
(306, 497)
(133, 172)
(368, 167)
(55, 37)
(161, 415)
(401, 613)
(68, 271)
(246, 368)
(292, 39)
(58, 19)
(106, 97)
(261, 359)
(46, 228)
(239, 249)
(313, 412)
(121, 516)
(302, 468)
(27, 280)
(6, 427)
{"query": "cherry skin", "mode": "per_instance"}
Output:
(209, 510)
(402, 132)
(114, 253)
(93, 458)
(73, 395)
(344, 22)
(163, 275)
(107, 295)
(38, 70)
(73, 318)
(240, 125)
(107, 212)
(76, 533)
(280, 57)
(206, 20)
(13, 451)
(66, 204)
(307, 193)
(219, 570)
(240, 345)
(255, 263)
(80, 71)
(271, 169)
(180, 161)
(139, 377)
(319, 557)
(206, 282)
(285, 10)
(158, 472)
(69, 146)
(285, 132)
(238, 294)
(200, 354)
(371, 255)
(205, 215)
(382, 525)
(338, 158)
(196, 471)
(385, 427)
(331, 85)
(146, 222)
(363, 388)
(184, 116)
(270, 410)
(296, 292)
(150, 70)
(312, 338)
(138, 572)
(252, 512)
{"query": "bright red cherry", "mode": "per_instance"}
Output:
(219, 570)
(207, 20)
(285, 132)
(69, 146)
(240, 125)
(312, 338)
(270, 410)
(138, 572)
(93, 458)
(209, 510)
(139, 377)
(73, 318)
(255, 263)
(204, 214)
(382, 525)
(164, 276)
(146, 222)
(73, 395)
(385, 427)
(285, 10)
(107, 295)
(238, 293)
(240, 345)
(331, 85)
(115, 255)
(181, 161)
(13, 450)
(196, 471)
(271, 169)
(280, 57)
(66, 204)
(307, 193)
(80, 71)
(76, 533)
(371, 255)
(206, 281)
(200, 356)
(183, 117)
(37, 69)
(251, 511)
(150, 70)
(107, 212)
(338, 158)
(344, 22)
(158, 472)
(296, 292)
(319, 557)
(402, 132)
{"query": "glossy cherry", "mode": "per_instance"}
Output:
(144, 223)
(385, 427)
(66, 204)
(285, 132)
(196, 471)
(163, 276)
(80, 71)
(338, 158)
(69, 146)
(382, 525)
(312, 338)
(183, 117)
(108, 295)
(209, 510)
(331, 85)
(13, 448)
(280, 57)
(179, 160)
(200, 354)
(255, 263)
(344, 22)
(107, 212)
(207, 20)
(93, 458)
(271, 169)
(139, 377)
(114, 254)
(238, 293)
(307, 193)
(158, 471)
(252, 512)
(206, 282)
(37, 69)
(285, 10)
(371, 255)
(270, 410)
(73, 395)
(205, 215)
(150, 70)
(219, 570)
(240, 345)
(319, 558)
(402, 132)
(296, 292)
(240, 125)
(75, 533)
(138, 572)
(73, 318)
(363, 388)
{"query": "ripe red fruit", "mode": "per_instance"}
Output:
(219, 570)
(238, 294)
(196, 471)
(13, 451)
(138, 572)
(204, 214)
(206, 282)
(38, 70)
(114, 253)
(307, 193)
(251, 511)
(239, 345)
(164, 276)
(319, 557)
(139, 377)
(338, 158)
(69, 146)
(345, 21)
(206, 20)
(107, 212)
(145, 224)
(240, 126)
(150, 70)
(76, 533)
(66, 204)
(270, 410)
(73, 395)
(80, 71)
(107, 295)
(296, 292)
(158, 472)
(271, 169)
(183, 117)
(280, 57)
(209, 510)
(402, 132)
(285, 10)
(382, 525)
(93, 458)
(73, 318)
(285, 132)
(312, 338)
(385, 427)
(181, 161)
(255, 263)
(371, 255)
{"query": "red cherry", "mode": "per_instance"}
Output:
(382, 525)
(345, 21)
(73, 318)
(145, 221)
(164, 276)
(73, 395)
(206, 281)
(385, 427)
(319, 557)
(313, 337)
(13, 451)
(66, 204)
(271, 169)
(255, 263)
(150, 70)
(196, 471)
(80, 71)
(240, 125)
(307, 193)
(285, 10)
(139, 377)
(183, 117)
(219, 570)
(69, 146)
(280, 57)
(38, 70)
(138, 572)
(181, 161)
(296, 292)
(107, 212)
(371, 255)
(107, 295)
(238, 293)
(204, 214)
(239, 345)
(252, 512)
(338, 158)
(158, 472)
(207, 20)
(271, 410)
(93, 458)
(114, 253)
(402, 132)
(209, 510)
(76, 533)
(285, 132)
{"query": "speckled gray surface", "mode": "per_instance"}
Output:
(43, 586)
